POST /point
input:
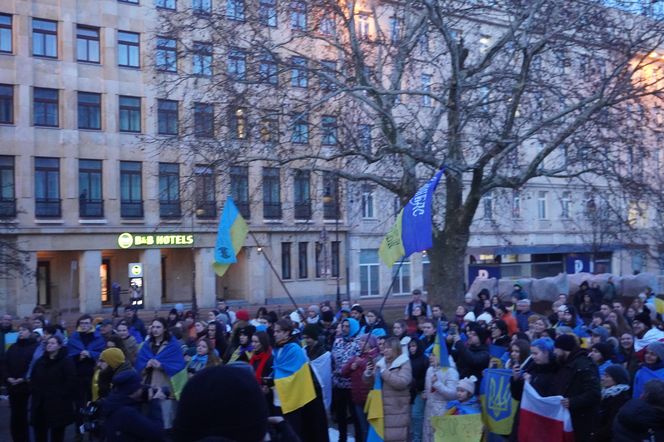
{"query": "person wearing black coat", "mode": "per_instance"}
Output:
(473, 357)
(615, 393)
(53, 387)
(19, 356)
(419, 364)
(642, 418)
(577, 380)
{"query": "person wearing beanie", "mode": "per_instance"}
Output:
(652, 367)
(111, 362)
(602, 355)
(345, 348)
(327, 329)
(473, 356)
(485, 317)
(644, 333)
(312, 345)
(598, 334)
(242, 315)
(173, 318)
(466, 401)
(641, 418)
(577, 380)
(615, 393)
(469, 317)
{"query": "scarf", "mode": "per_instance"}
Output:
(198, 362)
(258, 361)
(614, 390)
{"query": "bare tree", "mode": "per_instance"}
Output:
(503, 93)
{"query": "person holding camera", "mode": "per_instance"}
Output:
(121, 410)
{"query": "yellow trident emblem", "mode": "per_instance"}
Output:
(500, 398)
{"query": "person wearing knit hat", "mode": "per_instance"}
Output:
(466, 401)
(652, 367)
(473, 356)
(312, 344)
(485, 317)
(577, 380)
(598, 334)
(113, 357)
(242, 315)
(615, 393)
(470, 317)
(602, 354)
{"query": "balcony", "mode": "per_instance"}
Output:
(48, 208)
(303, 210)
(91, 209)
(244, 208)
(206, 209)
(7, 208)
(131, 209)
(271, 210)
(169, 209)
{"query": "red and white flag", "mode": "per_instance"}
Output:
(543, 419)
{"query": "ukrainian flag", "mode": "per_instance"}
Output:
(292, 378)
(374, 409)
(230, 237)
(440, 348)
(498, 407)
(412, 230)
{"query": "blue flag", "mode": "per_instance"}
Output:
(440, 347)
(499, 355)
(498, 407)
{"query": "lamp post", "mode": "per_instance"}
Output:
(194, 301)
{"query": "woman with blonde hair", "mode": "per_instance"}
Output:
(439, 388)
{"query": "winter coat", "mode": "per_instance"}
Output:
(359, 388)
(418, 364)
(471, 360)
(542, 378)
(578, 380)
(124, 421)
(19, 356)
(396, 397)
(131, 348)
(53, 384)
(437, 395)
(637, 420)
(315, 351)
(343, 349)
(91, 342)
(608, 409)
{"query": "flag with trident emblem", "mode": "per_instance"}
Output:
(498, 407)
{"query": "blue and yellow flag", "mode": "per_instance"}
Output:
(440, 348)
(413, 228)
(499, 356)
(230, 237)
(498, 407)
(374, 410)
(292, 377)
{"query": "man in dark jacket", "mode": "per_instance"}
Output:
(642, 418)
(577, 380)
(472, 357)
(19, 357)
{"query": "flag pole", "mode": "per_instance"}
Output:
(276, 274)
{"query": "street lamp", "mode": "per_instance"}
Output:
(327, 199)
(194, 301)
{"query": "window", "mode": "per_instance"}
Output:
(6, 37)
(367, 203)
(299, 74)
(91, 204)
(271, 193)
(300, 133)
(328, 26)
(240, 189)
(426, 89)
(542, 204)
(566, 203)
(362, 25)
(321, 268)
(201, 6)
(6, 104)
(327, 76)
(203, 120)
(130, 114)
(302, 196)
(167, 117)
(45, 107)
(336, 265)
(235, 10)
(89, 111)
(328, 130)
(426, 273)
(128, 49)
(267, 69)
(238, 124)
(285, 260)
(364, 138)
(302, 261)
(7, 187)
(402, 278)
(131, 189)
(166, 56)
(330, 194)
(237, 64)
(202, 59)
(487, 203)
(298, 15)
(87, 44)
(169, 190)
(395, 29)
(44, 38)
(369, 272)
(47, 187)
(267, 12)
(269, 128)
(516, 204)
(206, 199)
(166, 4)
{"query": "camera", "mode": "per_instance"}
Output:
(91, 419)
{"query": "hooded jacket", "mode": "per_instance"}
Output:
(343, 349)
(638, 420)
(124, 421)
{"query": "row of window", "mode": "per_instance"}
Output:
(488, 205)
(46, 112)
(323, 266)
(91, 196)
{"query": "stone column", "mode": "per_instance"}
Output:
(89, 284)
(257, 276)
(152, 285)
(22, 291)
(205, 277)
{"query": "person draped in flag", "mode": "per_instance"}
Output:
(439, 388)
(466, 401)
(297, 391)
(396, 375)
(652, 367)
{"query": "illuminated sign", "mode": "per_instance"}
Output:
(156, 240)
(135, 269)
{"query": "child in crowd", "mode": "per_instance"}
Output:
(466, 402)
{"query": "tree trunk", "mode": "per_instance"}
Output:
(447, 260)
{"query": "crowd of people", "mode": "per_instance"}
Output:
(233, 376)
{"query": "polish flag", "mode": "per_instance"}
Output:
(543, 419)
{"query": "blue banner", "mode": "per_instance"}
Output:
(498, 407)
(416, 227)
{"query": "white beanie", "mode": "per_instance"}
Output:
(470, 317)
(468, 384)
(486, 317)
